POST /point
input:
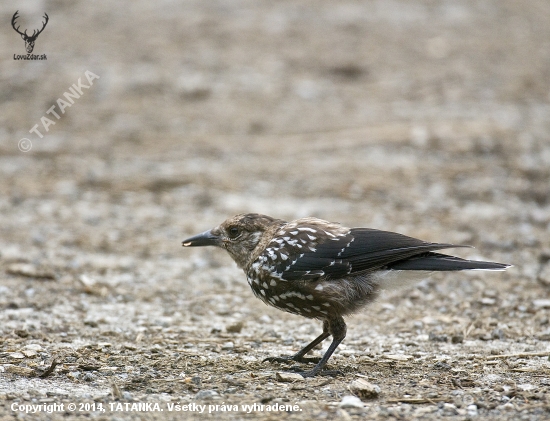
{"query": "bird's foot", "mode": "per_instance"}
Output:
(289, 359)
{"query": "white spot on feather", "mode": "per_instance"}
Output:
(307, 229)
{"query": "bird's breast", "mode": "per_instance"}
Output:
(304, 299)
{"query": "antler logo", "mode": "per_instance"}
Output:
(29, 40)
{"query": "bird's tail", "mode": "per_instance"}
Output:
(441, 262)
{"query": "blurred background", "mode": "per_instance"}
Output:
(427, 117)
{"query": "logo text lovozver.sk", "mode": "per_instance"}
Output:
(30, 57)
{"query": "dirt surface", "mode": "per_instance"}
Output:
(430, 118)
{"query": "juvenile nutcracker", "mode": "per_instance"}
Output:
(322, 270)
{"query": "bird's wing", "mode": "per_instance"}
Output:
(436, 261)
(334, 256)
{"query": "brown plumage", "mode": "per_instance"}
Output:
(322, 270)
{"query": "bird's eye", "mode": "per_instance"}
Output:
(233, 232)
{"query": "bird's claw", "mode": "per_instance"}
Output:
(284, 359)
(287, 359)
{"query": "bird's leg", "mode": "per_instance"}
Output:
(300, 355)
(337, 328)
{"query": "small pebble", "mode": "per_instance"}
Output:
(88, 377)
(265, 319)
(235, 327)
(228, 345)
(497, 334)
(437, 338)
(288, 377)
(488, 301)
(440, 365)
(28, 270)
(33, 347)
(74, 375)
(449, 407)
(207, 394)
(542, 303)
(397, 357)
(21, 371)
(364, 389)
(349, 401)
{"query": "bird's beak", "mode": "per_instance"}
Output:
(204, 239)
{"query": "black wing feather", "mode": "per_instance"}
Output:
(360, 250)
(437, 261)
(373, 249)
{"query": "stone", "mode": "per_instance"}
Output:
(289, 377)
(207, 394)
(21, 371)
(364, 389)
(350, 401)
(542, 303)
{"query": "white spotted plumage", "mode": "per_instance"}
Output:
(280, 256)
(319, 269)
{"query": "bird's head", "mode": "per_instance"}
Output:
(239, 235)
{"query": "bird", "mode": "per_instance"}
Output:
(323, 270)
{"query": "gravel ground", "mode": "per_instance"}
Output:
(430, 118)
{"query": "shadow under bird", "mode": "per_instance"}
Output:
(323, 270)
